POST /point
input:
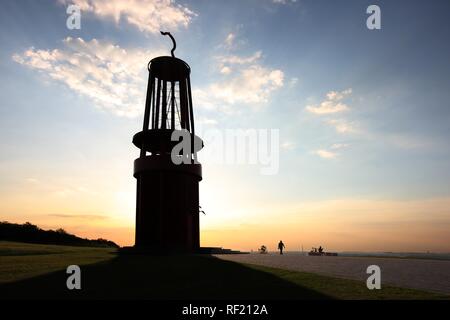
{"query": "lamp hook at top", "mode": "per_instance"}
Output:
(173, 41)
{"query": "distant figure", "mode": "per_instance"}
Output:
(320, 249)
(281, 246)
(263, 249)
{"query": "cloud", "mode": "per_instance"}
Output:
(410, 141)
(336, 96)
(284, 1)
(80, 216)
(252, 85)
(244, 80)
(229, 41)
(114, 78)
(331, 152)
(235, 59)
(327, 107)
(148, 16)
(342, 126)
(225, 70)
(206, 121)
(339, 146)
(332, 103)
(288, 145)
(325, 154)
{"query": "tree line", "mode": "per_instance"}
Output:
(31, 233)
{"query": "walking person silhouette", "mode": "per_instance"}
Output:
(281, 246)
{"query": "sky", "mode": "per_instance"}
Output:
(362, 118)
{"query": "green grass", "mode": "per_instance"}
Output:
(38, 271)
(23, 260)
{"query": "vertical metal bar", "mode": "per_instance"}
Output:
(158, 98)
(143, 152)
(183, 105)
(191, 112)
(191, 116)
(164, 105)
(148, 102)
(172, 105)
(137, 239)
(153, 103)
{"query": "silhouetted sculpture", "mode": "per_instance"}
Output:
(281, 246)
(167, 202)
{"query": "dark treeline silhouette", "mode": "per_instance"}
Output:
(31, 233)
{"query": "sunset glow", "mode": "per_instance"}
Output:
(362, 116)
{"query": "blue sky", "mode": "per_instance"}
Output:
(67, 150)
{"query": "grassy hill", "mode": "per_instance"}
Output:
(39, 271)
(31, 233)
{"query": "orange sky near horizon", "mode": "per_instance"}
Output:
(337, 225)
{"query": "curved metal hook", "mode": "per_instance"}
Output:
(173, 41)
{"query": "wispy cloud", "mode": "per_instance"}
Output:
(342, 125)
(225, 70)
(80, 216)
(284, 1)
(111, 76)
(148, 16)
(230, 40)
(251, 85)
(331, 104)
(331, 152)
(244, 80)
(325, 154)
(410, 141)
(339, 146)
(288, 145)
(236, 59)
(206, 121)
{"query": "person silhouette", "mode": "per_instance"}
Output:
(281, 246)
(320, 249)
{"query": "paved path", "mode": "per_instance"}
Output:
(430, 275)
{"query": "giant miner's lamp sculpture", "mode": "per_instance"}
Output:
(167, 201)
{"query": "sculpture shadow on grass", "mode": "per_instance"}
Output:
(161, 277)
